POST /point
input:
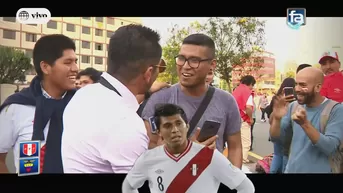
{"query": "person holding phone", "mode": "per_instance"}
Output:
(180, 165)
(196, 58)
(311, 146)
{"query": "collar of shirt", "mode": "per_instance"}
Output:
(46, 94)
(335, 74)
(126, 94)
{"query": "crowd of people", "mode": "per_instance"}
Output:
(105, 122)
(93, 122)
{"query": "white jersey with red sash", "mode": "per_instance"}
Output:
(197, 170)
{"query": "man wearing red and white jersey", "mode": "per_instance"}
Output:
(181, 166)
(332, 87)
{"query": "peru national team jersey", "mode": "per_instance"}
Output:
(197, 170)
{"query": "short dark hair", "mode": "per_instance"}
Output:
(288, 82)
(91, 72)
(201, 40)
(132, 49)
(248, 80)
(166, 110)
(302, 66)
(49, 48)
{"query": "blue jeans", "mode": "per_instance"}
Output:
(277, 162)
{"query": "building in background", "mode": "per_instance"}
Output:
(90, 34)
(265, 75)
(319, 35)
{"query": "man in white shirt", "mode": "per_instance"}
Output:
(35, 113)
(102, 131)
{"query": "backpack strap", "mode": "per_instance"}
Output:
(335, 160)
(325, 114)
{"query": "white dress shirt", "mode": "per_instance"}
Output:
(102, 131)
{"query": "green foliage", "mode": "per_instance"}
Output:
(13, 65)
(237, 40)
(290, 74)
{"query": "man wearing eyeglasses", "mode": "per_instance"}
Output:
(195, 60)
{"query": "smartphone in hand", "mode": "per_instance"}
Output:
(208, 130)
(288, 91)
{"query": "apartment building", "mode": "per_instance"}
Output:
(264, 75)
(91, 35)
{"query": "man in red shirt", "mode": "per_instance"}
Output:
(332, 87)
(244, 98)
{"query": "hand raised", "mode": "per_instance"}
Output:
(280, 106)
(300, 115)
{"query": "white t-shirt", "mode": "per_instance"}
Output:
(250, 101)
(197, 170)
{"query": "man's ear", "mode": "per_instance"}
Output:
(46, 68)
(148, 73)
(214, 64)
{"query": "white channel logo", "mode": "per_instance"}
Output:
(33, 16)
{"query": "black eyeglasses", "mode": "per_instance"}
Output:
(193, 62)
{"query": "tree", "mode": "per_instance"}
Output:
(290, 74)
(239, 44)
(172, 48)
(290, 65)
(13, 65)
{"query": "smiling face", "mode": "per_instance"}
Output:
(329, 65)
(194, 64)
(307, 87)
(63, 72)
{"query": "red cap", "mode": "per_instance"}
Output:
(328, 54)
